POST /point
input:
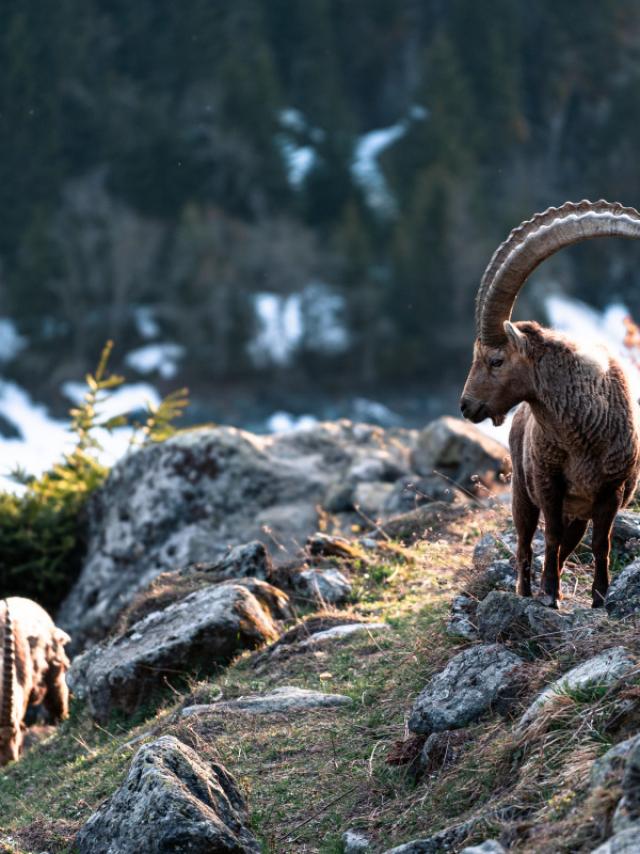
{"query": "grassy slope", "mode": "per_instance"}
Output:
(311, 776)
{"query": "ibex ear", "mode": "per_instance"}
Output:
(516, 338)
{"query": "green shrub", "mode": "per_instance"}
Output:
(42, 530)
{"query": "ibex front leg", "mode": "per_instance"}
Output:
(552, 491)
(606, 506)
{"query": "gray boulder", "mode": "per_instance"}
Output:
(625, 535)
(489, 846)
(601, 670)
(246, 560)
(411, 492)
(612, 763)
(172, 800)
(371, 498)
(354, 842)
(462, 452)
(627, 812)
(473, 682)
(188, 499)
(198, 633)
(507, 616)
(623, 597)
(285, 699)
(625, 842)
(328, 586)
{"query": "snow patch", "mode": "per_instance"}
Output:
(284, 422)
(158, 358)
(146, 324)
(11, 342)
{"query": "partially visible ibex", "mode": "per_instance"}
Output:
(34, 664)
(575, 443)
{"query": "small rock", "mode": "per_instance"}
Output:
(449, 839)
(626, 530)
(623, 596)
(201, 631)
(172, 800)
(411, 492)
(487, 550)
(626, 842)
(340, 632)
(612, 762)
(489, 846)
(603, 669)
(473, 682)
(500, 575)
(328, 586)
(250, 559)
(507, 616)
(354, 842)
(628, 810)
(462, 621)
(285, 699)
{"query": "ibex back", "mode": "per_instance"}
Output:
(575, 443)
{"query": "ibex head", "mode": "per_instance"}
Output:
(501, 375)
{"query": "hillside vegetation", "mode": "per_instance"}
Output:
(309, 777)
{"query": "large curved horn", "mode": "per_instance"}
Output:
(8, 670)
(533, 241)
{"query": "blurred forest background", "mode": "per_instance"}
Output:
(271, 198)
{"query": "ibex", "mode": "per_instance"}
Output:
(574, 441)
(33, 670)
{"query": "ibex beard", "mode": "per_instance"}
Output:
(574, 441)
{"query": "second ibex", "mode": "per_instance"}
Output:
(575, 442)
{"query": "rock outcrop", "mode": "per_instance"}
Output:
(623, 596)
(474, 681)
(286, 699)
(198, 633)
(191, 498)
(599, 671)
(172, 800)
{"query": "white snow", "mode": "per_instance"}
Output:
(283, 422)
(145, 321)
(44, 440)
(11, 342)
(313, 317)
(299, 160)
(365, 167)
(298, 154)
(156, 358)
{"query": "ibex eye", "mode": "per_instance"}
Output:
(495, 363)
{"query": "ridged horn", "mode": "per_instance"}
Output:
(531, 243)
(8, 670)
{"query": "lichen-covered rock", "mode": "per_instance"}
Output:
(612, 763)
(507, 616)
(601, 670)
(328, 586)
(489, 846)
(462, 452)
(625, 842)
(198, 633)
(246, 560)
(188, 499)
(172, 800)
(462, 620)
(623, 596)
(473, 682)
(627, 812)
(625, 534)
(500, 575)
(285, 699)
(354, 842)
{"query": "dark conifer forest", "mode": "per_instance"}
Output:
(191, 162)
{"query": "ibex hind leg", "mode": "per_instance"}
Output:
(525, 518)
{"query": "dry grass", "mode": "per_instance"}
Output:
(308, 777)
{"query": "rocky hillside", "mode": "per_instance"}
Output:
(311, 643)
